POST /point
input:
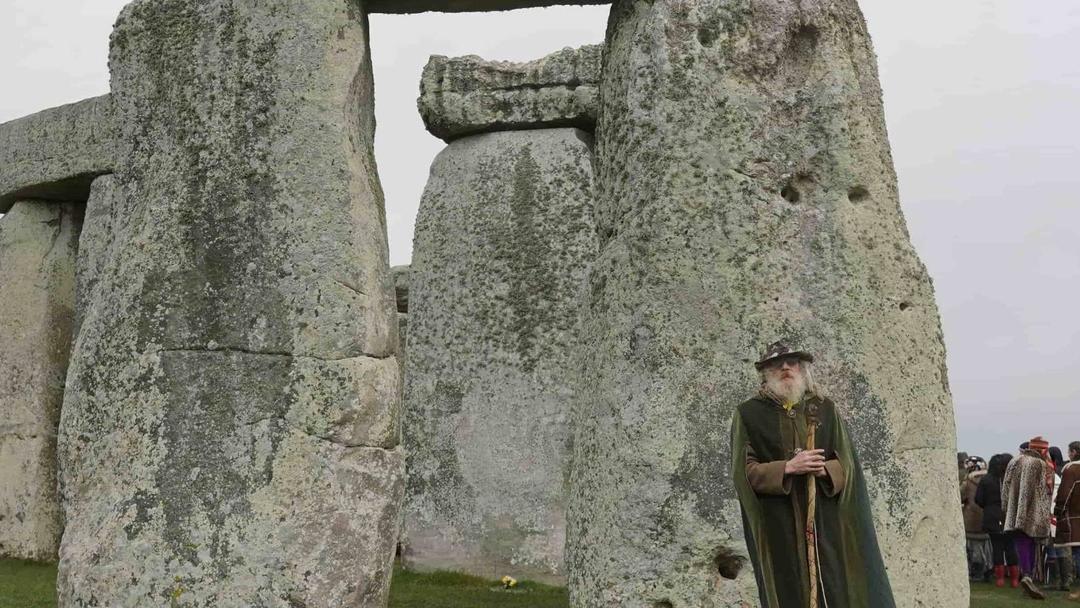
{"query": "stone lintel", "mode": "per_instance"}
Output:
(468, 95)
(55, 154)
(463, 6)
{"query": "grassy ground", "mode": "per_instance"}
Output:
(452, 590)
(28, 585)
(985, 595)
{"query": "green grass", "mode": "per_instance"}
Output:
(986, 595)
(453, 590)
(27, 584)
(30, 585)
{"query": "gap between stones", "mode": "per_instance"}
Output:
(241, 351)
(292, 428)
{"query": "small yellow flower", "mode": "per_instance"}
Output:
(508, 582)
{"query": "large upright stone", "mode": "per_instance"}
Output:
(467, 95)
(503, 239)
(38, 244)
(55, 154)
(230, 432)
(96, 243)
(746, 193)
(401, 292)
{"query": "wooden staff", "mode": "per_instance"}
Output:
(811, 508)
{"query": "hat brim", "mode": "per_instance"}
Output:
(801, 355)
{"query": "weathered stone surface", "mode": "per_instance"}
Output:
(230, 431)
(95, 243)
(38, 245)
(56, 153)
(403, 335)
(503, 238)
(460, 6)
(401, 291)
(468, 95)
(746, 192)
(401, 287)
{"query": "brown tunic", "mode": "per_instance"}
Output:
(1067, 507)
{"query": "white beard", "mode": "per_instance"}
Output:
(790, 390)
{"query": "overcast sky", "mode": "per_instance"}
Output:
(981, 99)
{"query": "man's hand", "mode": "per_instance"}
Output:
(807, 462)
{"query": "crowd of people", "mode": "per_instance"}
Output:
(1022, 518)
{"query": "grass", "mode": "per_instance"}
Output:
(30, 585)
(27, 584)
(986, 595)
(453, 590)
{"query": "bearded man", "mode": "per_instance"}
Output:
(806, 513)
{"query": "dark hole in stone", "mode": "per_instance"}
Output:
(858, 194)
(790, 194)
(905, 305)
(707, 36)
(728, 564)
(663, 604)
(604, 233)
(805, 39)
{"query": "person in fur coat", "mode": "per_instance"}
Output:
(1025, 495)
(1067, 512)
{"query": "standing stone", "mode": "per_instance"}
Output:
(503, 239)
(401, 287)
(401, 293)
(95, 243)
(38, 244)
(230, 432)
(745, 194)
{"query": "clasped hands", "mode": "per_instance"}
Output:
(807, 462)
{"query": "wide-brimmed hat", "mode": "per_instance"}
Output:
(778, 350)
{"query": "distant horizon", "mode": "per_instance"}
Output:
(980, 100)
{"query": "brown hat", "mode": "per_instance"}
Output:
(1038, 444)
(778, 350)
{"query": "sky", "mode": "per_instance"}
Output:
(981, 101)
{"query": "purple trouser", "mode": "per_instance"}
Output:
(1025, 550)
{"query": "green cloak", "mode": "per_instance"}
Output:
(852, 573)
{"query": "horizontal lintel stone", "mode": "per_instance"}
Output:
(462, 6)
(468, 95)
(55, 154)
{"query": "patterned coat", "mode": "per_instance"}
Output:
(1067, 506)
(1025, 495)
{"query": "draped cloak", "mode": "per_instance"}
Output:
(764, 435)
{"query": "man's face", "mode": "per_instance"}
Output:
(785, 377)
(1073, 454)
(784, 369)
